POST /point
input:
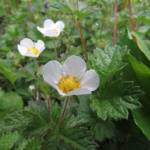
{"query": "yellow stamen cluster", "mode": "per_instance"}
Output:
(68, 83)
(34, 50)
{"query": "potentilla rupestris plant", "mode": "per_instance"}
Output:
(51, 29)
(29, 48)
(71, 77)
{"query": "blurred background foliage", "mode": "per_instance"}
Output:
(116, 116)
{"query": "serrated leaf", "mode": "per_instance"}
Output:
(19, 120)
(30, 144)
(101, 130)
(39, 115)
(74, 139)
(108, 61)
(8, 140)
(104, 130)
(33, 120)
(115, 107)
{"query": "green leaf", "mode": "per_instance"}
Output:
(144, 19)
(141, 116)
(10, 101)
(142, 72)
(33, 120)
(101, 130)
(18, 120)
(108, 61)
(104, 130)
(8, 140)
(141, 44)
(30, 144)
(7, 71)
(142, 120)
(115, 107)
(72, 138)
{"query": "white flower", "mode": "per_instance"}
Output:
(52, 29)
(32, 87)
(71, 78)
(28, 48)
(76, 5)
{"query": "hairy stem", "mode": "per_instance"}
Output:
(36, 66)
(114, 40)
(61, 118)
(49, 103)
(83, 42)
(56, 50)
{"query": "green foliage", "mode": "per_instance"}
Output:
(116, 108)
(141, 44)
(7, 71)
(74, 138)
(112, 117)
(142, 120)
(8, 140)
(104, 130)
(141, 116)
(113, 99)
(32, 144)
(33, 122)
(108, 62)
(9, 102)
(142, 72)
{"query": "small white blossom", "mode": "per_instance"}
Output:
(51, 29)
(32, 87)
(29, 48)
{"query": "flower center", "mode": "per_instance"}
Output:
(34, 50)
(68, 83)
(55, 30)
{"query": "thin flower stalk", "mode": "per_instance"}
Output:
(83, 41)
(61, 118)
(114, 40)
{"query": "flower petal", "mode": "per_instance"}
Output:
(81, 91)
(22, 50)
(59, 91)
(52, 33)
(40, 45)
(60, 25)
(90, 80)
(51, 72)
(26, 42)
(48, 23)
(49, 32)
(74, 65)
(42, 30)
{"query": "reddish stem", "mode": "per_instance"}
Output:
(131, 21)
(83, 42)
(64, 111)
(49, 106)
(114, 40)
